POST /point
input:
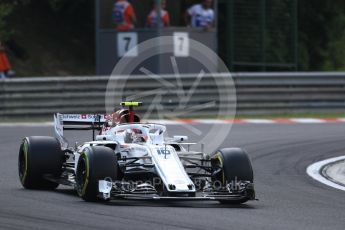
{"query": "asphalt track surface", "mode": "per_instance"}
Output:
(289, 199)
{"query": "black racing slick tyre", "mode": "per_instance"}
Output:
(235, 166)
(94, 164)
(39, 156)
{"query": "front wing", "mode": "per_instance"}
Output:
(106, 192)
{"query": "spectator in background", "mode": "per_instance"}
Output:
(124, 15)
(200, 15)
(152, 18)
(5, 67)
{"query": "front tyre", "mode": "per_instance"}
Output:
(94, 164)
(234, 167)
(39, 156)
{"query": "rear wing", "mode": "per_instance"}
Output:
(76, 122)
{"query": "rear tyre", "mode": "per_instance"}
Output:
(94, 164)
(39, 156)
(235, 166)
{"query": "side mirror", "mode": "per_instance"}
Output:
(180, 138)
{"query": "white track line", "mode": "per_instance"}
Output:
(211, 121)
(314, 172)
(259, 121)
(307, 120)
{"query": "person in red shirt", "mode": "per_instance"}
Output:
(5, 65)
(124, 15)
(152, 18)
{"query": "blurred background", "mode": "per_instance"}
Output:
(58, 37)
(286, 57)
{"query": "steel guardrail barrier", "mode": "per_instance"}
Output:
(256, 93)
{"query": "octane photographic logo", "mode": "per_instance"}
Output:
(176, 96)
(200, 185)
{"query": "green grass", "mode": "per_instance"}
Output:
(301, 115)
(276, 116)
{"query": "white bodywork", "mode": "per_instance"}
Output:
(146, 141)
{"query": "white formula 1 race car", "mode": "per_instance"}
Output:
(132, 160)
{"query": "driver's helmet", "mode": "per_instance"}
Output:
(122, 116)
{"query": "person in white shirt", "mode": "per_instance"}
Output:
(200, 15)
